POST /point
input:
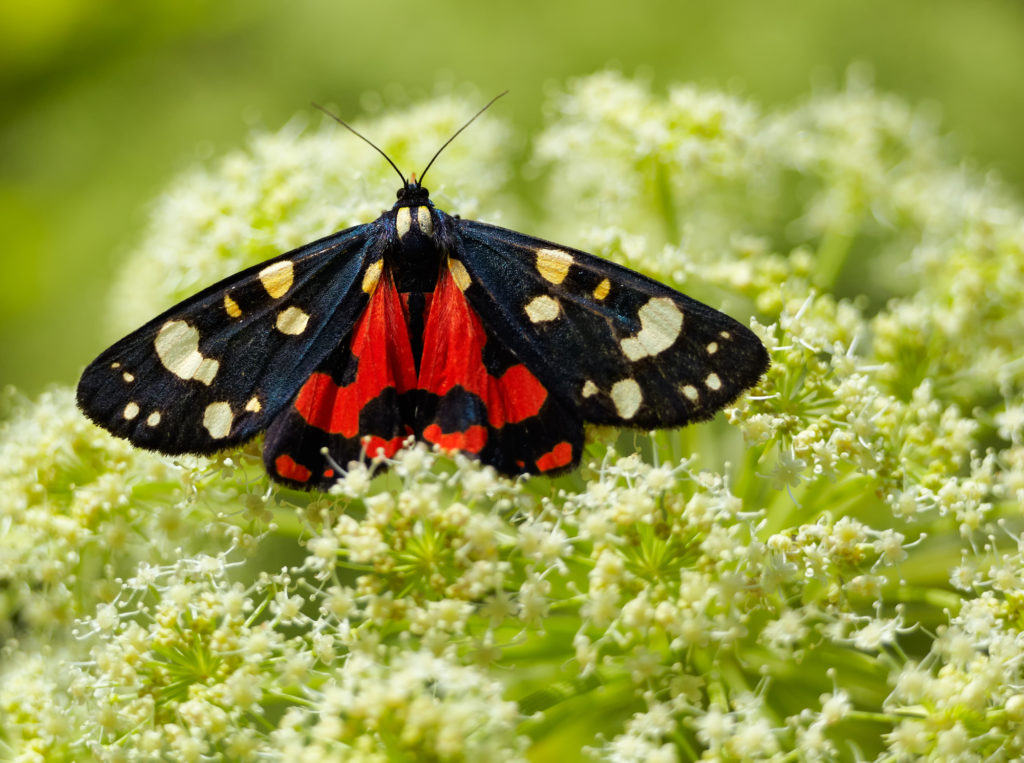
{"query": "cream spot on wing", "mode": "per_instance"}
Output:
(660, 324)
(713, 382)
(590, 389)
(253, 406)
(231, 307)
(115, 366)
(207, 370)
(542, 308)
(153, 419)
(372, 275)
(128, 377)
(217, 419)
(627, 397)
(725, 335)
(712, 348)
(292, 321)
(177, 346)
(424, 221)
(403, 221)
(602, 289)
(277, 278)
(691, 393)
(459, 273)
(553, 264)
(131, 411)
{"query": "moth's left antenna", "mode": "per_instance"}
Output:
(358, 134)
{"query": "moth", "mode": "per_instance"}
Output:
(464, 335)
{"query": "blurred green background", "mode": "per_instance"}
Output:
(102, 101)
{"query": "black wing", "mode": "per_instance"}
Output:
(623, 349)
(215, 369)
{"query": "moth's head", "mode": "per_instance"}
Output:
(412, 194)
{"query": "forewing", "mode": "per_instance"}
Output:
(214, 370)
(621, 348)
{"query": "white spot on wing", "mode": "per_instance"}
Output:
(590, 389)
(712, 348)
(131, 411)
(553, 264)
(691, 393)
(403, 221)
(424, 221)
(627, 397)
(253, 406)
(177, 346)
(660, 325)
(217, 419)
(713, 382)
(542, 308)
(277, 278)
(153, 419)
(292, 321)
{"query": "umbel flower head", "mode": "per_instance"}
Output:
(831, 571)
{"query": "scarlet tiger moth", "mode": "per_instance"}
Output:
(465, 335)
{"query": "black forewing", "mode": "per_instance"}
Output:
(581, 353)
(252, 356)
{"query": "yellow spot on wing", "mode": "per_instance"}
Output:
(602, 289)
(128, 377)
(460, 274)
(253, 406)
(372, 275)
(231, 307)
(217, 419)
(542, 308)
(590, 389)
(277, 278)
(553, 264)
(131, 411)
(292, 321)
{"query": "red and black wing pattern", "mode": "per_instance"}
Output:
(477, 397)
(358, 402)
(216, 369)
(613, 346)
(467, 336)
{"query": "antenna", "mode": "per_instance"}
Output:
(489, 103)
(358, 134)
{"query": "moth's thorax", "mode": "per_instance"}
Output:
(414, 256)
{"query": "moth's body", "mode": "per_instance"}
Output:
(464, 335)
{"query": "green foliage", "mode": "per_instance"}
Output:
(830, 573)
